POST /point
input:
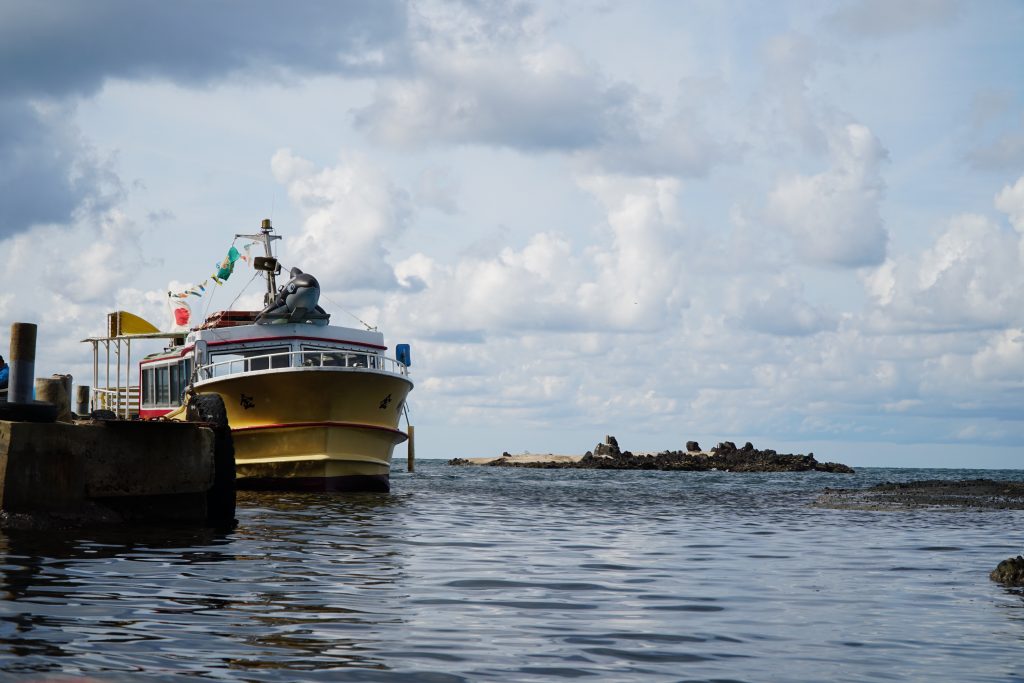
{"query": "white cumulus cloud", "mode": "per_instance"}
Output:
(833, 217)
(352, 212)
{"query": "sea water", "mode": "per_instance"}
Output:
(487, 574)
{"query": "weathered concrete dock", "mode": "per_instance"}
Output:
(106, 471)
(61, 469)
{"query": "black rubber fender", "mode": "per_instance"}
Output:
(220, 499)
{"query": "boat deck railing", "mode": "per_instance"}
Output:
(122, 400)
(294, 359)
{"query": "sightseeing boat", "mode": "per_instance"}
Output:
(311, 406)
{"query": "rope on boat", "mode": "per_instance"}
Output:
(239, 296)
(361, 321)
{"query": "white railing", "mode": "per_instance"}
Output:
(295, 359)
(124, 401)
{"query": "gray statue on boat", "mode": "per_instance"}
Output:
(296, 301)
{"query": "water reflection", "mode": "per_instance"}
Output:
(333, 563)
(51, 586)
(304, 582)
(526, 576)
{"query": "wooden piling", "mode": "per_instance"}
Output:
(411, 450)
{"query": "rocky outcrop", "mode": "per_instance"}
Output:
(1009, 572)
(610, 448)
(726, 460)
(725, 457)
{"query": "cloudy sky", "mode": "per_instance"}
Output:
(799, 224)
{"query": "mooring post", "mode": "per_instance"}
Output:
(54, 390)
(82, 400)
(23, 362)
(411, 450)
(69, 383)
(64, 414)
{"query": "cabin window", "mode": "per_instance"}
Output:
(148, 388)
(339, 358)
(184, 376)
(227, 363)
(173, 383)
(250, 360)
(163, 386)
(265, 359)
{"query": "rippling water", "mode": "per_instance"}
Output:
(475, 574)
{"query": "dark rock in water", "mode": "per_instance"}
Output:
(608, 456)
(972, 494)
(1009, 572)
(834, 467)
(725, 457)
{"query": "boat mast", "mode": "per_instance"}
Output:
(266, 236)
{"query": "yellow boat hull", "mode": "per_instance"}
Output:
(313, 428)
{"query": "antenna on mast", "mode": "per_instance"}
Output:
(268, 264)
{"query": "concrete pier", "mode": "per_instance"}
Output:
(110, 471)
(58, 470)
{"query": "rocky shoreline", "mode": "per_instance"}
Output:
(725, 457)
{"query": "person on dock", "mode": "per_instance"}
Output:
(5, 372)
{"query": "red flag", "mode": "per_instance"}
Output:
(181, 315)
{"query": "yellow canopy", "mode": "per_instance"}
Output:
(122, 322)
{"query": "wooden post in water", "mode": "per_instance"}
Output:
(23, 362)
(411, 450)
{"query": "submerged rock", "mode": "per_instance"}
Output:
(964, 494)
(1009, 572)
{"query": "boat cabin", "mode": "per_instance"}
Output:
(230, 344)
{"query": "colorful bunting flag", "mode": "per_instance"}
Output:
(224, 270)
(227, 266)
